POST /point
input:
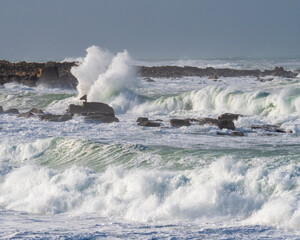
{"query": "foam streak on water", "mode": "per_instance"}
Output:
(84, 180)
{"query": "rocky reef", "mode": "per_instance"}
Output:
(186, 71)
(49, 74)
(58, 74)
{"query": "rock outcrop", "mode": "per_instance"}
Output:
(32, 113)
(12, 111)
(1, 109)
(145, 122)
(51, 74)
(179, 123)
(210, 121)
(58, 75)
(94, 111)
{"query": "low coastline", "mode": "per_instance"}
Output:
(58, 74)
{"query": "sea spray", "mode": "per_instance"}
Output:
(104, 77)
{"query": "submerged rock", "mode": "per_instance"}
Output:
(99, 117)
(55, 118)
(234, 134)
(26, 114)
(269, 128)
(33, 112)
(145, 122)
(37, 111)
(226, 124)
(179, 123)
(12, 111)
(210, 121)
(229, 116)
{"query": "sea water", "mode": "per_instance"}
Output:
(82, 180)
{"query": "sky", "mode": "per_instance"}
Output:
(40, 30)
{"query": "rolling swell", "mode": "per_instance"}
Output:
(52, 176)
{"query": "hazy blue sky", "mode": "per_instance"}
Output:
(44, 29)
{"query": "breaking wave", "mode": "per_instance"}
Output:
(104, 77)
(254, 191)
(217, 100)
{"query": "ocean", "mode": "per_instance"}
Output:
(85, 180)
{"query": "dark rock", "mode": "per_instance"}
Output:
(226, 124)
(55, 118)
(237, 133)
(149, 79)
(229, 116)
(192, 119)
(99, 117)
(177, 72)
(179, 123)
(269, 128)
(213, 77)
(50, 73)
(234, 134)
(148, 123)
(91, 107)
(26, 114)
(264, 79)
(37, 111)
(1, 109)
(12, 111)
(210, 121)
(142, 119)
(84, 98)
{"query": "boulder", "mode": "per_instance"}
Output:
(142, 119)
(192, 119)
(99, 117)
(234, 134)
(179, 123)
(226, 124)
(26, 114)
(229, 116)
(148, 123)
(269, 128)
(55, 118)
(210, 121)
(37, 111)
(12, 111)
(237, 133)
(91, 107)
(1, 109)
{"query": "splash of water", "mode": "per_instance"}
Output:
(103, 76)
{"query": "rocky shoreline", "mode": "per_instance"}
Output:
(58, 74)
(97, 112)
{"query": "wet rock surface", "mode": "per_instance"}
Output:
(179, 123)
(50, 74)
(145, 122)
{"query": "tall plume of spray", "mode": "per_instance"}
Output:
(103, 76)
